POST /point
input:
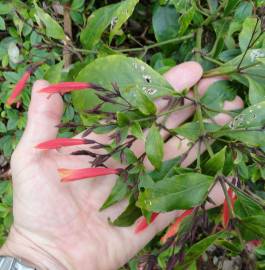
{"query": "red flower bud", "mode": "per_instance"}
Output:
(173, 229)
(68, 175)
(143, 223)
(20, 85)
(60, 142)
(65, 87)
(226, 214)
(18, 88)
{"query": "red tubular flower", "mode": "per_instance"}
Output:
(18, 87)
(65, 87)
(143, 223)
(226, 214)
(69, 175)
(60, 142)
(173, 229)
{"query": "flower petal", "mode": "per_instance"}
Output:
(65, 87)
(68, 175)
(19, 87)
(143, 223)
(173, 229)
(226, 214)
(60, 142)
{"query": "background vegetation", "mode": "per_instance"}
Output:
(219, 34)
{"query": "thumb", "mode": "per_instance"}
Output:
(44, 114)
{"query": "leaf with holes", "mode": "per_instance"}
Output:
(114, 15)
(134, 78)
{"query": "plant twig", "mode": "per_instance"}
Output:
(67, 55)
(249, 44)
(158, 44)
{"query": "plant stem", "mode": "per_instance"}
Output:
(230, 207)
(67, 55)
(227, 198)
(198, 44)
(216, 14)
(162, 114)
(249, 66)
(174, 110)
(210, 59)
(255, 198)
(198, 165)
(158, 44)
(206, 108)
(249, 45)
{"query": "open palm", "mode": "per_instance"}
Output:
(58, 225)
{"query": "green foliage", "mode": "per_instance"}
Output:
(174, 192)
(154, 154)
(126, 47)
(6, 218)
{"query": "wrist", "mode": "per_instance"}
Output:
(19, 246)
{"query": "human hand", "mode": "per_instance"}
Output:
(58, 225)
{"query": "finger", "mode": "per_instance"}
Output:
(43, 115)
(184, 76)
(177, 146)
(181, 77)
(177, 118)
(163, 220)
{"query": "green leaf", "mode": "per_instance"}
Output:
(185, 20)
(139, 100)
(128, 216)
(245, 207)
(2, 24)
(135, 76)
(5, 8)
(136, 130)
(215, 164)
(230, 5)
(221, 28)
(118, 193)
(230, 41)
(122, 14)
(231, 246)
(114, 15)
(13, 53)
(198, 249)
(166, 170)
(154, 147)
(253, 116)
(177, 192)
(130, 156)
(181, 6)
(53, 29)
(2, 127)
(248, 137)
(122, 119)
(246, 32)
(243, 10)
(54, 73)
(217, 94)
(192, 132)
(77, 5)
(213, 5)
(256, 91)
(253, 224)
(165, 22)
